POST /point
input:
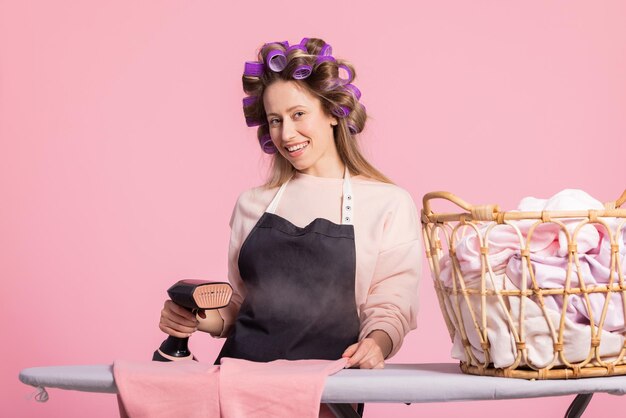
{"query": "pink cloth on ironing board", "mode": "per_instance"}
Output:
(153, 389)
(236, 389)
(281, 388)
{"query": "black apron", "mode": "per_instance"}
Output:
(300, 283)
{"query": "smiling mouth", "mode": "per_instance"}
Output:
(297, 147)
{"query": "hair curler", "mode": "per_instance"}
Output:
(267, 145)
(192, 295)
(276, 60)
(302, 72)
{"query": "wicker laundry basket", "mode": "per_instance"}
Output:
(484, 312)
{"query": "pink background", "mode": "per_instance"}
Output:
(123, 148)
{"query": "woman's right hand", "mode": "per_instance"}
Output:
(177, 321)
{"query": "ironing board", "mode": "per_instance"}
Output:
(406, 383)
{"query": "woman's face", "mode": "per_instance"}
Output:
(301, 130)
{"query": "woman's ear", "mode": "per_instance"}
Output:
(333, 122)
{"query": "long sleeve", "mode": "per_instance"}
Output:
(392, 299)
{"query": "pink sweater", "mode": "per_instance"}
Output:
(388, 250)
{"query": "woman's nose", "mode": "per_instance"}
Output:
(288, 130)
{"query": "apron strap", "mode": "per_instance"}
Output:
(274, 204)
(347, 199)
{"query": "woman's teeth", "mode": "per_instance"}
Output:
(297, 147)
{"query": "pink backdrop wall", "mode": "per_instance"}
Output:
(123, 148)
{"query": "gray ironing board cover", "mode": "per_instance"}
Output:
(408, 383)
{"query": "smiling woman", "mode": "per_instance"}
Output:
(324, 259)
(277, 78)
(302, 132)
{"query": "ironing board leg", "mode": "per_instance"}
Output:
(578, 405)
(343, 410)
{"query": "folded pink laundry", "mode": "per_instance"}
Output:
(588, 237)
(593, 253)
(550, 273)
(549, 248)
(237, 388)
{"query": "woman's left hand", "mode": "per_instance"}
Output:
(367, 353)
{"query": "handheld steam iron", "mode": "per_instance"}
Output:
(193, 295)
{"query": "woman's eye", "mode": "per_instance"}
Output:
(274, 121)
(298, 114)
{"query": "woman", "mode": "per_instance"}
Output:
(324, 259)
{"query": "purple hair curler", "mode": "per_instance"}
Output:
(251, 122)
(304, 41)
(249, 100)
(276, 60)
(253, 69)
(354, 90)
(350, 74)
(302, 71)
(267, 145)
(294, 47)
(341, 111)
(326, 51)
(352, 128)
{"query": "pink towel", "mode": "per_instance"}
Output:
(236, 389)
(162, 390)
(281, 388)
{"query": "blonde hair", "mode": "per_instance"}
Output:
(323, 83)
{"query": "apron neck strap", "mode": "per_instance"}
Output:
(347, 199)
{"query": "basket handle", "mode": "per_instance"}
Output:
(483, 212)
(447, 196)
